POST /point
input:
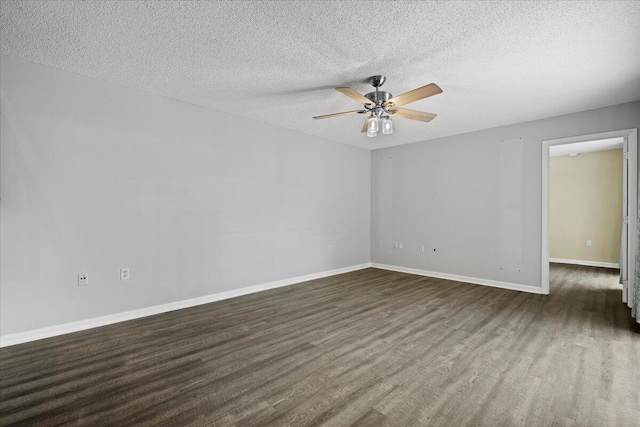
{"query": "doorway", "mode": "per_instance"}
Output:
(629, 139)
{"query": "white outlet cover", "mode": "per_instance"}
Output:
(589, 243)
(421, 248)
(125, 274)
(83, 279)
(400, 245)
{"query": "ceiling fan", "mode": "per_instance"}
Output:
(381, 105)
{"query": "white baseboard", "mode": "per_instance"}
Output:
(583, 262)
(474, 280)
(81, 325)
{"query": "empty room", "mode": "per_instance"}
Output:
(297, 213)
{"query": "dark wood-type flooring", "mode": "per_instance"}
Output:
(368, 348)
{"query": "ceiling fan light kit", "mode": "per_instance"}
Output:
(380, 105)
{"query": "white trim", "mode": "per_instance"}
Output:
(632, 207)
(457, 278)
(81, 325)
(585, 262)
(632, 138)
(587, 147)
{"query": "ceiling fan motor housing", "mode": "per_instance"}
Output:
(380, 96)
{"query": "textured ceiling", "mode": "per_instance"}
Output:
(498, 62)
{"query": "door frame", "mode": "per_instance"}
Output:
(631, 136)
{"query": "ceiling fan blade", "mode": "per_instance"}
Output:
(414, 95)
(365, 125)
(405, 113)
(354, 94)
(345, 113)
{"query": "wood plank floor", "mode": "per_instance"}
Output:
(369, 348)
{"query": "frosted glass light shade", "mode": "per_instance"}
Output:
(371, 134)
(387, 126)
(372, 125)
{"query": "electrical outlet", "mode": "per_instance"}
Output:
(125, 274)
(395, 245)
(589, 243)
(421, 248)
(83, 279)
(400, 245)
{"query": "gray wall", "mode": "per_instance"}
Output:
(475, 198)
(95, 177)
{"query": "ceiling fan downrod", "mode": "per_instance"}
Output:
(378, 97)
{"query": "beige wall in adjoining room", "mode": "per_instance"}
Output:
(585, 204)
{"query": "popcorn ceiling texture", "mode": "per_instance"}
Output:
(498, 62)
